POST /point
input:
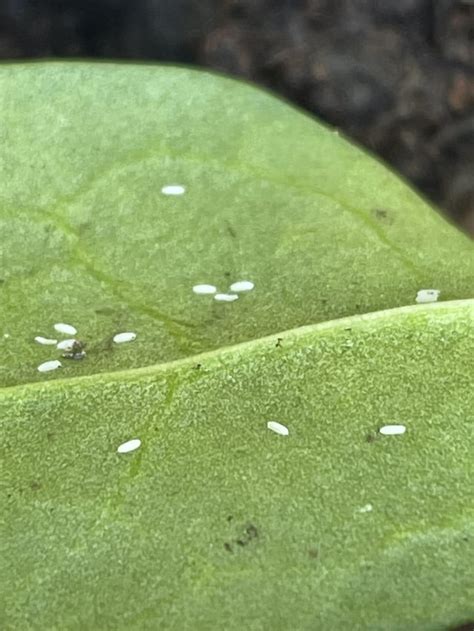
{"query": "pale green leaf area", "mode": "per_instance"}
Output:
(92, 539)
(216, 522)
(271, 196)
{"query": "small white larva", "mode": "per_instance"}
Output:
(130, 445)
(204, 289)
(173, 189)
(242, 285)
(65, 345)
(46, 341)
(368, 508)
(128, 336)
(226, 297)
(53, 364)
(67, 329)
(427, 295)
(278, 428)
(392, 430)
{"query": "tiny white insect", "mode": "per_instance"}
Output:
(368, 508)
(65, 345)
(392, 430)
(128, 336)
(53, 364)
(278, 428)
(6, 335)
(45, 340)
(204, 289)
(427, 295)
(242, 285)
(173, 189)
(130, 445)
(226, 297)
(67, 329)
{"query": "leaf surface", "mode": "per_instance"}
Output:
(88, 238)
(215, 521)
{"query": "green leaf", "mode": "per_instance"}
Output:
(88, 237)
(215, 521)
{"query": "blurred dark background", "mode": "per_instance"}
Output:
(396, 75)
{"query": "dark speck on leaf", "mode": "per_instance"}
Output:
(313, 553)
(278, 342)
(231, 230)
(77, 351)
(252, 531)
(466, 626)
(198, 366)
(229, 518)
(370, 438)
(35, 485)
(383, 215)
(105, 311)
(228, 547)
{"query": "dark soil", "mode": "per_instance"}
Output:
(396, 75)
